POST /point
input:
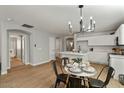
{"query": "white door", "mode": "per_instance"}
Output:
(51, 48)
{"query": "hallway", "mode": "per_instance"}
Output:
(16, 62)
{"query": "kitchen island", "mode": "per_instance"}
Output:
(72, 55)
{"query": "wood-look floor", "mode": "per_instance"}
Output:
(16, 62)
(42, 76)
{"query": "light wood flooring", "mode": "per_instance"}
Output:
(16, 62)
(42, 76)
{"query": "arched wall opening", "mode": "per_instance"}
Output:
(5, 62)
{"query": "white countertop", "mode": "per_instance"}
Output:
(73, 53)
(116, 56)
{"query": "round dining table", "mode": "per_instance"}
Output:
(83, 73)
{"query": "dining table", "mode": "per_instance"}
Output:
(84, 71)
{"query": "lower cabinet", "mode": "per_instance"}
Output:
(117, 62)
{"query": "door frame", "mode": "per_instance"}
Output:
(26, 48)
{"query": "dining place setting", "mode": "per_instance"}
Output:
(80, 68)
(80, 71)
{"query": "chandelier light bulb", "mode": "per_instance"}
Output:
(81, 17)
(69, 22)
(70, 26)
(91, 18)
(83, 26)
(94, 22)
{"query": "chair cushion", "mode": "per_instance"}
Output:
(95, 83)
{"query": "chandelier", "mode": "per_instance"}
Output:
(91, 26)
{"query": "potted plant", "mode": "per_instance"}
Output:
(77, 60)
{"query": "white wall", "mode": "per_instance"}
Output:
(38, 54)
(41, 51)
(0, 43)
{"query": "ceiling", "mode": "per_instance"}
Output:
(54, 18)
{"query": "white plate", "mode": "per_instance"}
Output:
(83, 65)
(89, 69)
(69, 65)
(75, 70)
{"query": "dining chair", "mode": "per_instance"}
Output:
(97, 83)
(65, 60)
(59, 77)
(74, 82)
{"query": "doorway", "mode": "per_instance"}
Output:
(16, 50)
(55, 47)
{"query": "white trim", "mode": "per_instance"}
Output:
(27, 63)
(4, 72)
(39, 63)
(8, 67)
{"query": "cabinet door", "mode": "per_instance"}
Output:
(118, 65)
(102, 40)
(114, 64)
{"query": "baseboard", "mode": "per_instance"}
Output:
(27, 63)
(8, 67)
(39, 63)
(3, 73)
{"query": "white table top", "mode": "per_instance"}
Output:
(83, 73)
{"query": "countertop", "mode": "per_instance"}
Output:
(116, 56)
(73, 53)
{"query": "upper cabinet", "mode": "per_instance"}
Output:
(103, 40)
(120, 34)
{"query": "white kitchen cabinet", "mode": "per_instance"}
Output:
(117, 62)
(102, 40)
